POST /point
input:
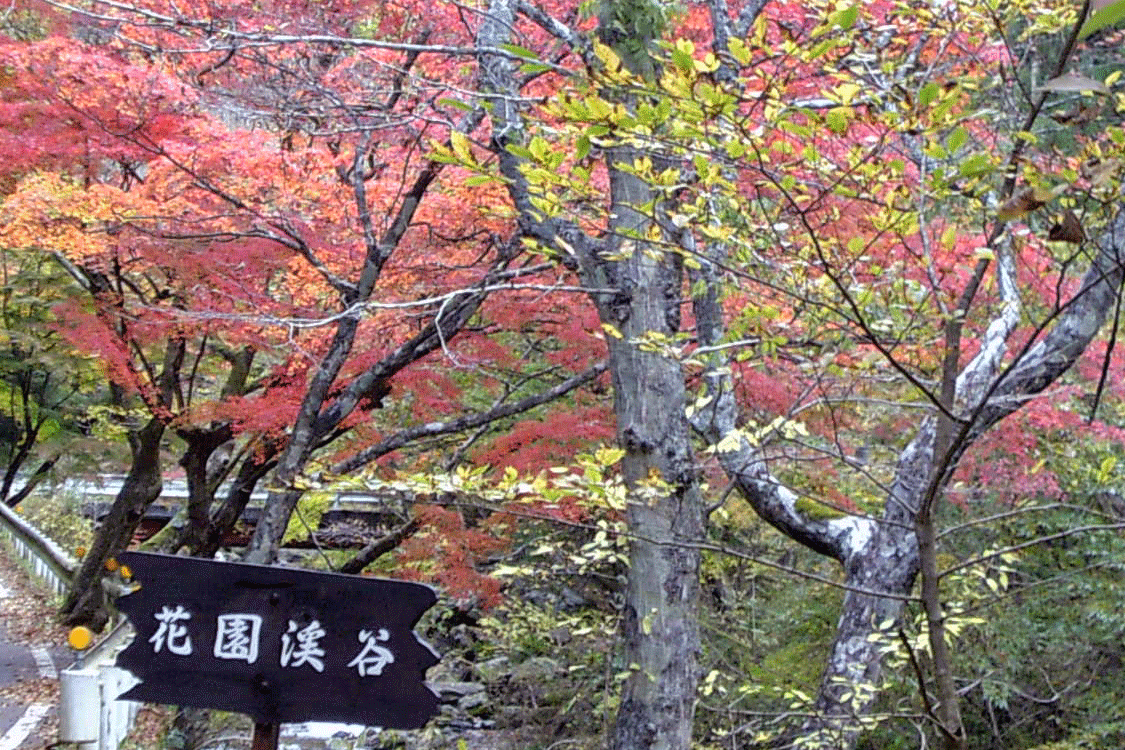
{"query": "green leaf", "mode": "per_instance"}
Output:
(822, 47)
(846, 18)
(538, 148)
(836, 120)
(519, 51)
(599, 108)
(928, 94)
(683, 60)
(975, 165)
(957, 139)
(739, 51)
(581, 148)
(455, 103)
(1110, 15)
(949, 237)
(942, 109)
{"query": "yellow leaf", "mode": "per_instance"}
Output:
(611, 331)
(984, 253)
(460, 143)
(949, 237)
(730, 443)
(609, 456)
(846, 92)
(608, 57)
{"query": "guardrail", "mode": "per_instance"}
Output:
(108, 485)
(89, 713)
(49, 563)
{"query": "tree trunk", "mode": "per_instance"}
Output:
(201, 444)
(21, 451)
(868, 623)
(266, 541)
(254, 467)
(86, 601)
(664, 512)
(28, 436)
(642, 286)
(887, 562)
(379, 547)
(660, 626)
(947, 711)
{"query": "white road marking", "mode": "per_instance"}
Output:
(23, 728)
(43, 662)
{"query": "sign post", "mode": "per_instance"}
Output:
(279, 644)
(265, 736)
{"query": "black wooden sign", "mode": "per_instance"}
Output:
(279, 644)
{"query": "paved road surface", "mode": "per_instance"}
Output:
(23, 708)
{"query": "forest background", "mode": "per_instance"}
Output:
(758, 360)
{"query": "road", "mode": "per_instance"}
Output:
(28, 674)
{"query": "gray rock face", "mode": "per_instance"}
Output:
(535, 669)
(493, 670)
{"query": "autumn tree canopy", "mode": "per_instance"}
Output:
(824, 250)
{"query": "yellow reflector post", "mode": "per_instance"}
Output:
(80, 638)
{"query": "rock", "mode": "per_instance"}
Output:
(463, 637)
(454, 692)
(473, 702)
(535, 669)
(561, 635)
(493, 670)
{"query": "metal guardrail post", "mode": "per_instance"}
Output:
(79, 707)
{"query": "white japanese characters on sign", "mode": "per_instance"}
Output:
(171, 634)
(305, 649)
(236, 637)
(373, 658)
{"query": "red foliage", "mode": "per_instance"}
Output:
(446, 552)
(552, 440)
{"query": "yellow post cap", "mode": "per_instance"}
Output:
(80, 638)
